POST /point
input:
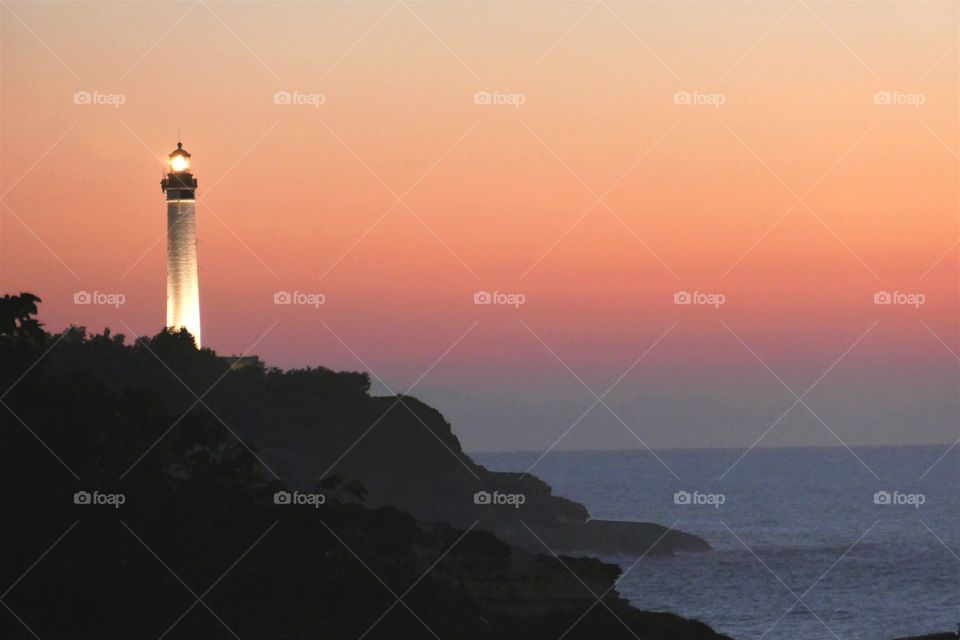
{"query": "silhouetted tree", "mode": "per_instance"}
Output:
(16, 316)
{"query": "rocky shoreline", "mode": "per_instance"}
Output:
(619, 538)
(314, 424)
(403, 514)
(435, 490)
(406, 544)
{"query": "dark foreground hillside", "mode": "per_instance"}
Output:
(133, 511)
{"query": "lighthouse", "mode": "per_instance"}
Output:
(183, 289)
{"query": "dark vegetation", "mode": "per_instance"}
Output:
(198, 549)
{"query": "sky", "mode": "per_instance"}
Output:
(783, 163)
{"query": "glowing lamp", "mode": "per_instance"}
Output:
(179, 160)
(179, 163)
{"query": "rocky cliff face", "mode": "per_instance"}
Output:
(411, 460)
(631, 539)
(196, 504)
(314, 424)
(534, 596)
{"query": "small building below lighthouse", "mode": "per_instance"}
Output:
(183, 287)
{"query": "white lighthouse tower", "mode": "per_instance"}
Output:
(183, 290)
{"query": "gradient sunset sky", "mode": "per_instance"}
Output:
(798, 198)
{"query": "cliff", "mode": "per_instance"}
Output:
(199, 546)
(315, 424)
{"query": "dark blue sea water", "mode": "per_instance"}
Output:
(802, 549)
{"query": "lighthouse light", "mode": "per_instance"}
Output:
(179, 163)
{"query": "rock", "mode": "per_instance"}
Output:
(632, 539)
(337, 571)
(316, 423)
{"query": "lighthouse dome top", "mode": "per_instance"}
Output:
(179, 159)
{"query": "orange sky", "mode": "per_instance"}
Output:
(797, 198)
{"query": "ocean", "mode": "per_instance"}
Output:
(808, 543)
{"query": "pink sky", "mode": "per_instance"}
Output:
(797, 198)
